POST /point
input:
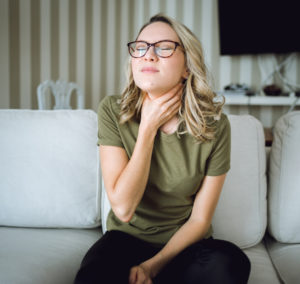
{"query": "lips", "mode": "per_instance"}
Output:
(149, 69)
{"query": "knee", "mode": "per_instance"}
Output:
(233, 267)
(232, 263)
(226, 264)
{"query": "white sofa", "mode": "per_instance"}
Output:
(51, 207)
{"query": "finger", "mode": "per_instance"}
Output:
(140, 277)
(177, 89)
(170, 105)
(173, 110)
(173, 100)
(147, 281)
(170, 97)
(133, 275)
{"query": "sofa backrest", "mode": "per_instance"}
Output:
(49, 169)
(241, 213)
(284, 178)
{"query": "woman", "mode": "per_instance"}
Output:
(165, 152)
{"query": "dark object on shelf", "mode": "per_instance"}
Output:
(268, 136)
(239, 89)
(250, 93)
(272, 90)
(236, 87)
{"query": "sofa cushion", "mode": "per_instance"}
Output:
(286, 260)
(241, 213)
(262, 269)
(43, 256)
(284, 189)
(49, 173)
(240, 216)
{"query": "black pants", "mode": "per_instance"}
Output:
(209, 261)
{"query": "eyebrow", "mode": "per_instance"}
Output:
(157, 40)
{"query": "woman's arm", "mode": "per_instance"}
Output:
(125, 180)
(192, 231)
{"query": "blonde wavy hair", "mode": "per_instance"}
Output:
(199, 110)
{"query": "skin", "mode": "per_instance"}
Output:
(168, 71)
(125, 180)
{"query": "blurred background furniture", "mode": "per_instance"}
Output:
(62, 91)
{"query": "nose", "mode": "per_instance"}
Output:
(150, 54)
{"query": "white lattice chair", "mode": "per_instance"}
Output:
(62, 91)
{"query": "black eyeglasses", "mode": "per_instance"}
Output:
(163, 48)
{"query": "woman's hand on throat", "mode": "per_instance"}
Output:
(158, 111)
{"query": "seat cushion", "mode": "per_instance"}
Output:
(286, 259)
(49, 170)
(262, 269)
(240, 216)
(35, 256)
(284, 188)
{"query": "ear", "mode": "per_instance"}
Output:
(186, 73)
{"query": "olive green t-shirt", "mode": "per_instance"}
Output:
(178, 166)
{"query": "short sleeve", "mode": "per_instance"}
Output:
(108, 123)
(218, 162)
